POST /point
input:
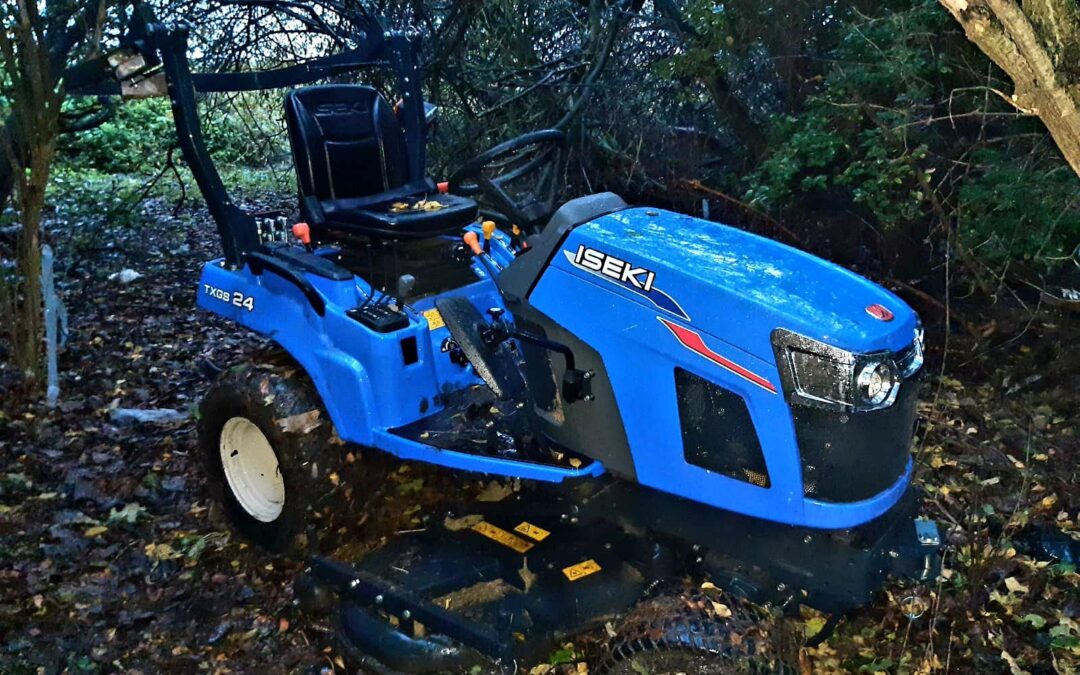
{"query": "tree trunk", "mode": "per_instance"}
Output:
(28, 329)
(28, 144)
(1038, 46)
(7, 176)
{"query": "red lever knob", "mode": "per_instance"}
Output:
(302, 232)
(473, 242)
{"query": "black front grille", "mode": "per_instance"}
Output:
(851, 456)
(717, 431)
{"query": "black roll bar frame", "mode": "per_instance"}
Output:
(163, 48)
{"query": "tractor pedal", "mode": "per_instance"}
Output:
(492, 362)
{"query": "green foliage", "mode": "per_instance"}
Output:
(139, 135)
(703, 57)
(904, 129)
(857, 134)
(1013, 211)
(245, 130)
(878, 116)
(134, 140)
(94, 202)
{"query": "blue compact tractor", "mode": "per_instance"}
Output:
(714, 428)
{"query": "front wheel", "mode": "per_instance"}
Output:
(269, 452)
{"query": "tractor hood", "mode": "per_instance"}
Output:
(734, 285)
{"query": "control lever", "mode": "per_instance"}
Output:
(576, 384)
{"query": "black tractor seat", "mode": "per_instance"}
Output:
(414, 211)
(353, 172)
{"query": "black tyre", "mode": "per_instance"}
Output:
(269, 450)
(694, 634)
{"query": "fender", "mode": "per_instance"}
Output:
(277, 310)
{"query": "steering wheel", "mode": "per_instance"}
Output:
(537, 155)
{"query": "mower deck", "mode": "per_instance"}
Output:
(509, 581)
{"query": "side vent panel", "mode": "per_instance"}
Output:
(717, 431)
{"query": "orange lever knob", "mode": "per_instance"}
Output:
(302, 232)
(473, 242)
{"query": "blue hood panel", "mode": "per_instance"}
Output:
(734, 285)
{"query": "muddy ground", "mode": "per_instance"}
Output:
(112, 558)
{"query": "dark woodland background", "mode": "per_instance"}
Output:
(874, 134)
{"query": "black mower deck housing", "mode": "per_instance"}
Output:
(501, 583)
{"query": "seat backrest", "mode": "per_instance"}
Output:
(346, 141)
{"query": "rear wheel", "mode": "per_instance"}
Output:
(270, 453)
(251, 469)
(695, 634)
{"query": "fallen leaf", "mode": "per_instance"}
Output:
(128, 515)
(161, 552)
(1015, 586)
(814, 625)
(462, 523)
(494, 492)
(1036, 621)
(1014, 666)
(301, 423)
(722, 610)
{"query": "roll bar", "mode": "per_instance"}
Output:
(153, 61)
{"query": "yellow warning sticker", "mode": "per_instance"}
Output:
(581, 570)
(434, 319)
(532, 531)
(502, 536)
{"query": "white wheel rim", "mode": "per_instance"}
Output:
(251, 469)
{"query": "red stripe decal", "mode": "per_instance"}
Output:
(692, 341)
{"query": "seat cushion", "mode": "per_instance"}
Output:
(392, 214)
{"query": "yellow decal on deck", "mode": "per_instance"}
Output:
(581, 570)
(532, 531)
(434, 319)
(502, 536)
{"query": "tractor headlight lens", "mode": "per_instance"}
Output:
(817, 374)
(875, 383)
(819, 377)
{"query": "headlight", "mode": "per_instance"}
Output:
(875, 383)
(818, 374)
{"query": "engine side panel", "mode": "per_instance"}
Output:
(652, 307)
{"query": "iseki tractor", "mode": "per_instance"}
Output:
(712, 428)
